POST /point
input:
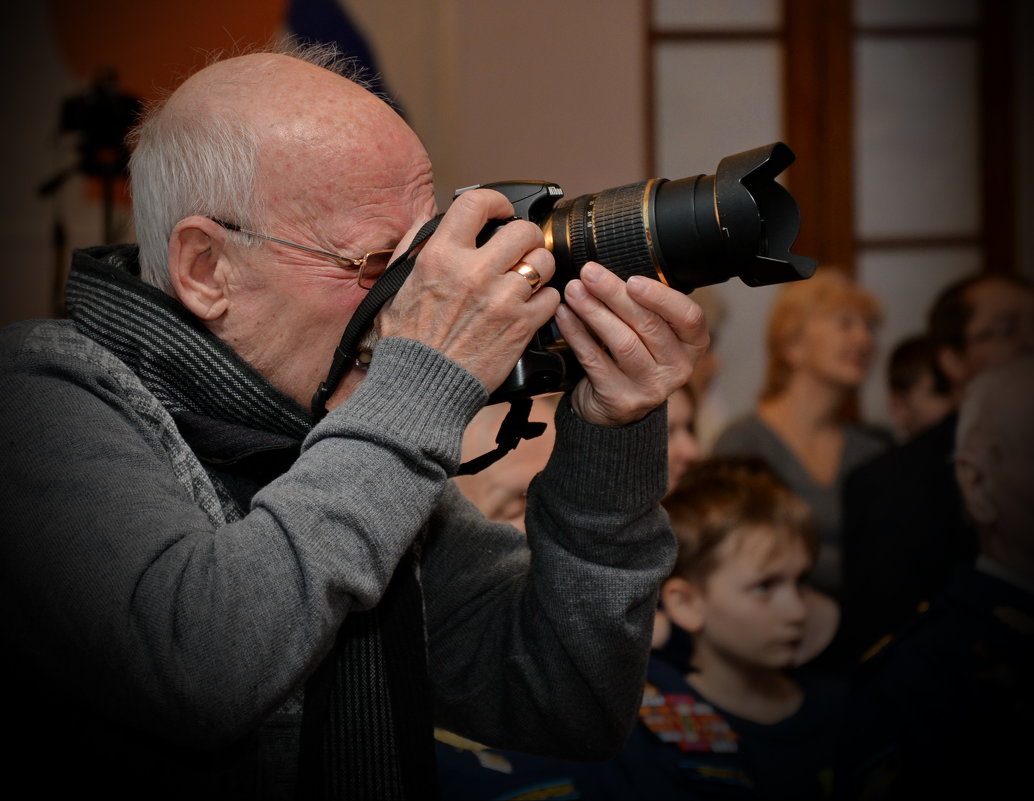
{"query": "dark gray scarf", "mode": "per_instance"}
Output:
(367, 729)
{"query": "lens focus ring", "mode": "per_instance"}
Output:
(616, 224)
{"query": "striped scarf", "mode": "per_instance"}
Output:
(176, 358)
(367, 726)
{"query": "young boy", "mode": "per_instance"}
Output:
(919, 395)
(742, 714)
(740, 720)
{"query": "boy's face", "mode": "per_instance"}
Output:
(751, 610)
(919, 407)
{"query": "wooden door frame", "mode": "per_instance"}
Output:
(819, 38)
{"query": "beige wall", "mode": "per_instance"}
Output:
(538, 89)
(497, 90)
(550, 89)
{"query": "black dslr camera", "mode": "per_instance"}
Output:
(686, 233)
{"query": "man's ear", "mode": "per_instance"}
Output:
(683, 603)
(195, 249)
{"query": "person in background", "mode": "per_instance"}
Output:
(683, 446)
(946, 708)
(742, 718)
(469, 769)
(919, 395)
(500, 490)
(741, 589)
(820, 343)
(905, 532)
(712, 415)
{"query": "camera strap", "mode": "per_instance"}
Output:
(385, 288)
(512, 430)
(515, 425)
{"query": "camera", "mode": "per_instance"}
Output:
(687, 233)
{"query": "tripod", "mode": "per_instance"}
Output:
(102, 117)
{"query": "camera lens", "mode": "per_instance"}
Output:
(690, 232)
(611, 227)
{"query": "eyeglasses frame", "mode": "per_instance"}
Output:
(360, 264)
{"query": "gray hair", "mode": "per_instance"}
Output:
(989, 399)
(199, 161)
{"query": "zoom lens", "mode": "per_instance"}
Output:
(690, 232)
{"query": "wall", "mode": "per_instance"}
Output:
(537, 89)
(497, 90)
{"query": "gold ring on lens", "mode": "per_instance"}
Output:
(529, 273)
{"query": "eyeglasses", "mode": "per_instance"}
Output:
(371, 266)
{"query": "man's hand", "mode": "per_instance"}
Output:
(638, 342)
(466, 301)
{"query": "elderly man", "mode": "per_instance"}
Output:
(946, 709)
(904, 528)
(207, 594)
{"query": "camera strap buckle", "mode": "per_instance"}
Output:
(512, 430)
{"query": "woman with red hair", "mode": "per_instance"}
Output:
(820, 343)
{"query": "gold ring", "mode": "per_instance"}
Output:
(529, 273)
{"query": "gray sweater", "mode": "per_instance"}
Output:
(132, 585)
(750, 436)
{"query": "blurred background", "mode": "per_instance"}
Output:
(911, 121)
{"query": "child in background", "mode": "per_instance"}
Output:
(742, 720)
(746, 716)
(500, 490)
(919, 395)
(683, 447)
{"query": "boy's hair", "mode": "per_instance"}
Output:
(721, 497)
(910, 360)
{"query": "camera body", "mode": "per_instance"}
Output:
(686, 233)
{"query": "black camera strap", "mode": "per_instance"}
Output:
(514, 428)
(515, 425)
(385, 288)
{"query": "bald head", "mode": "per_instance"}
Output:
(280, 146)
(264, 139)
(299, 111)
(995, 460)
(997, 404)
(311, 124)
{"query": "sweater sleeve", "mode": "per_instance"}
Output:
(129, 594)
(541, 644)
